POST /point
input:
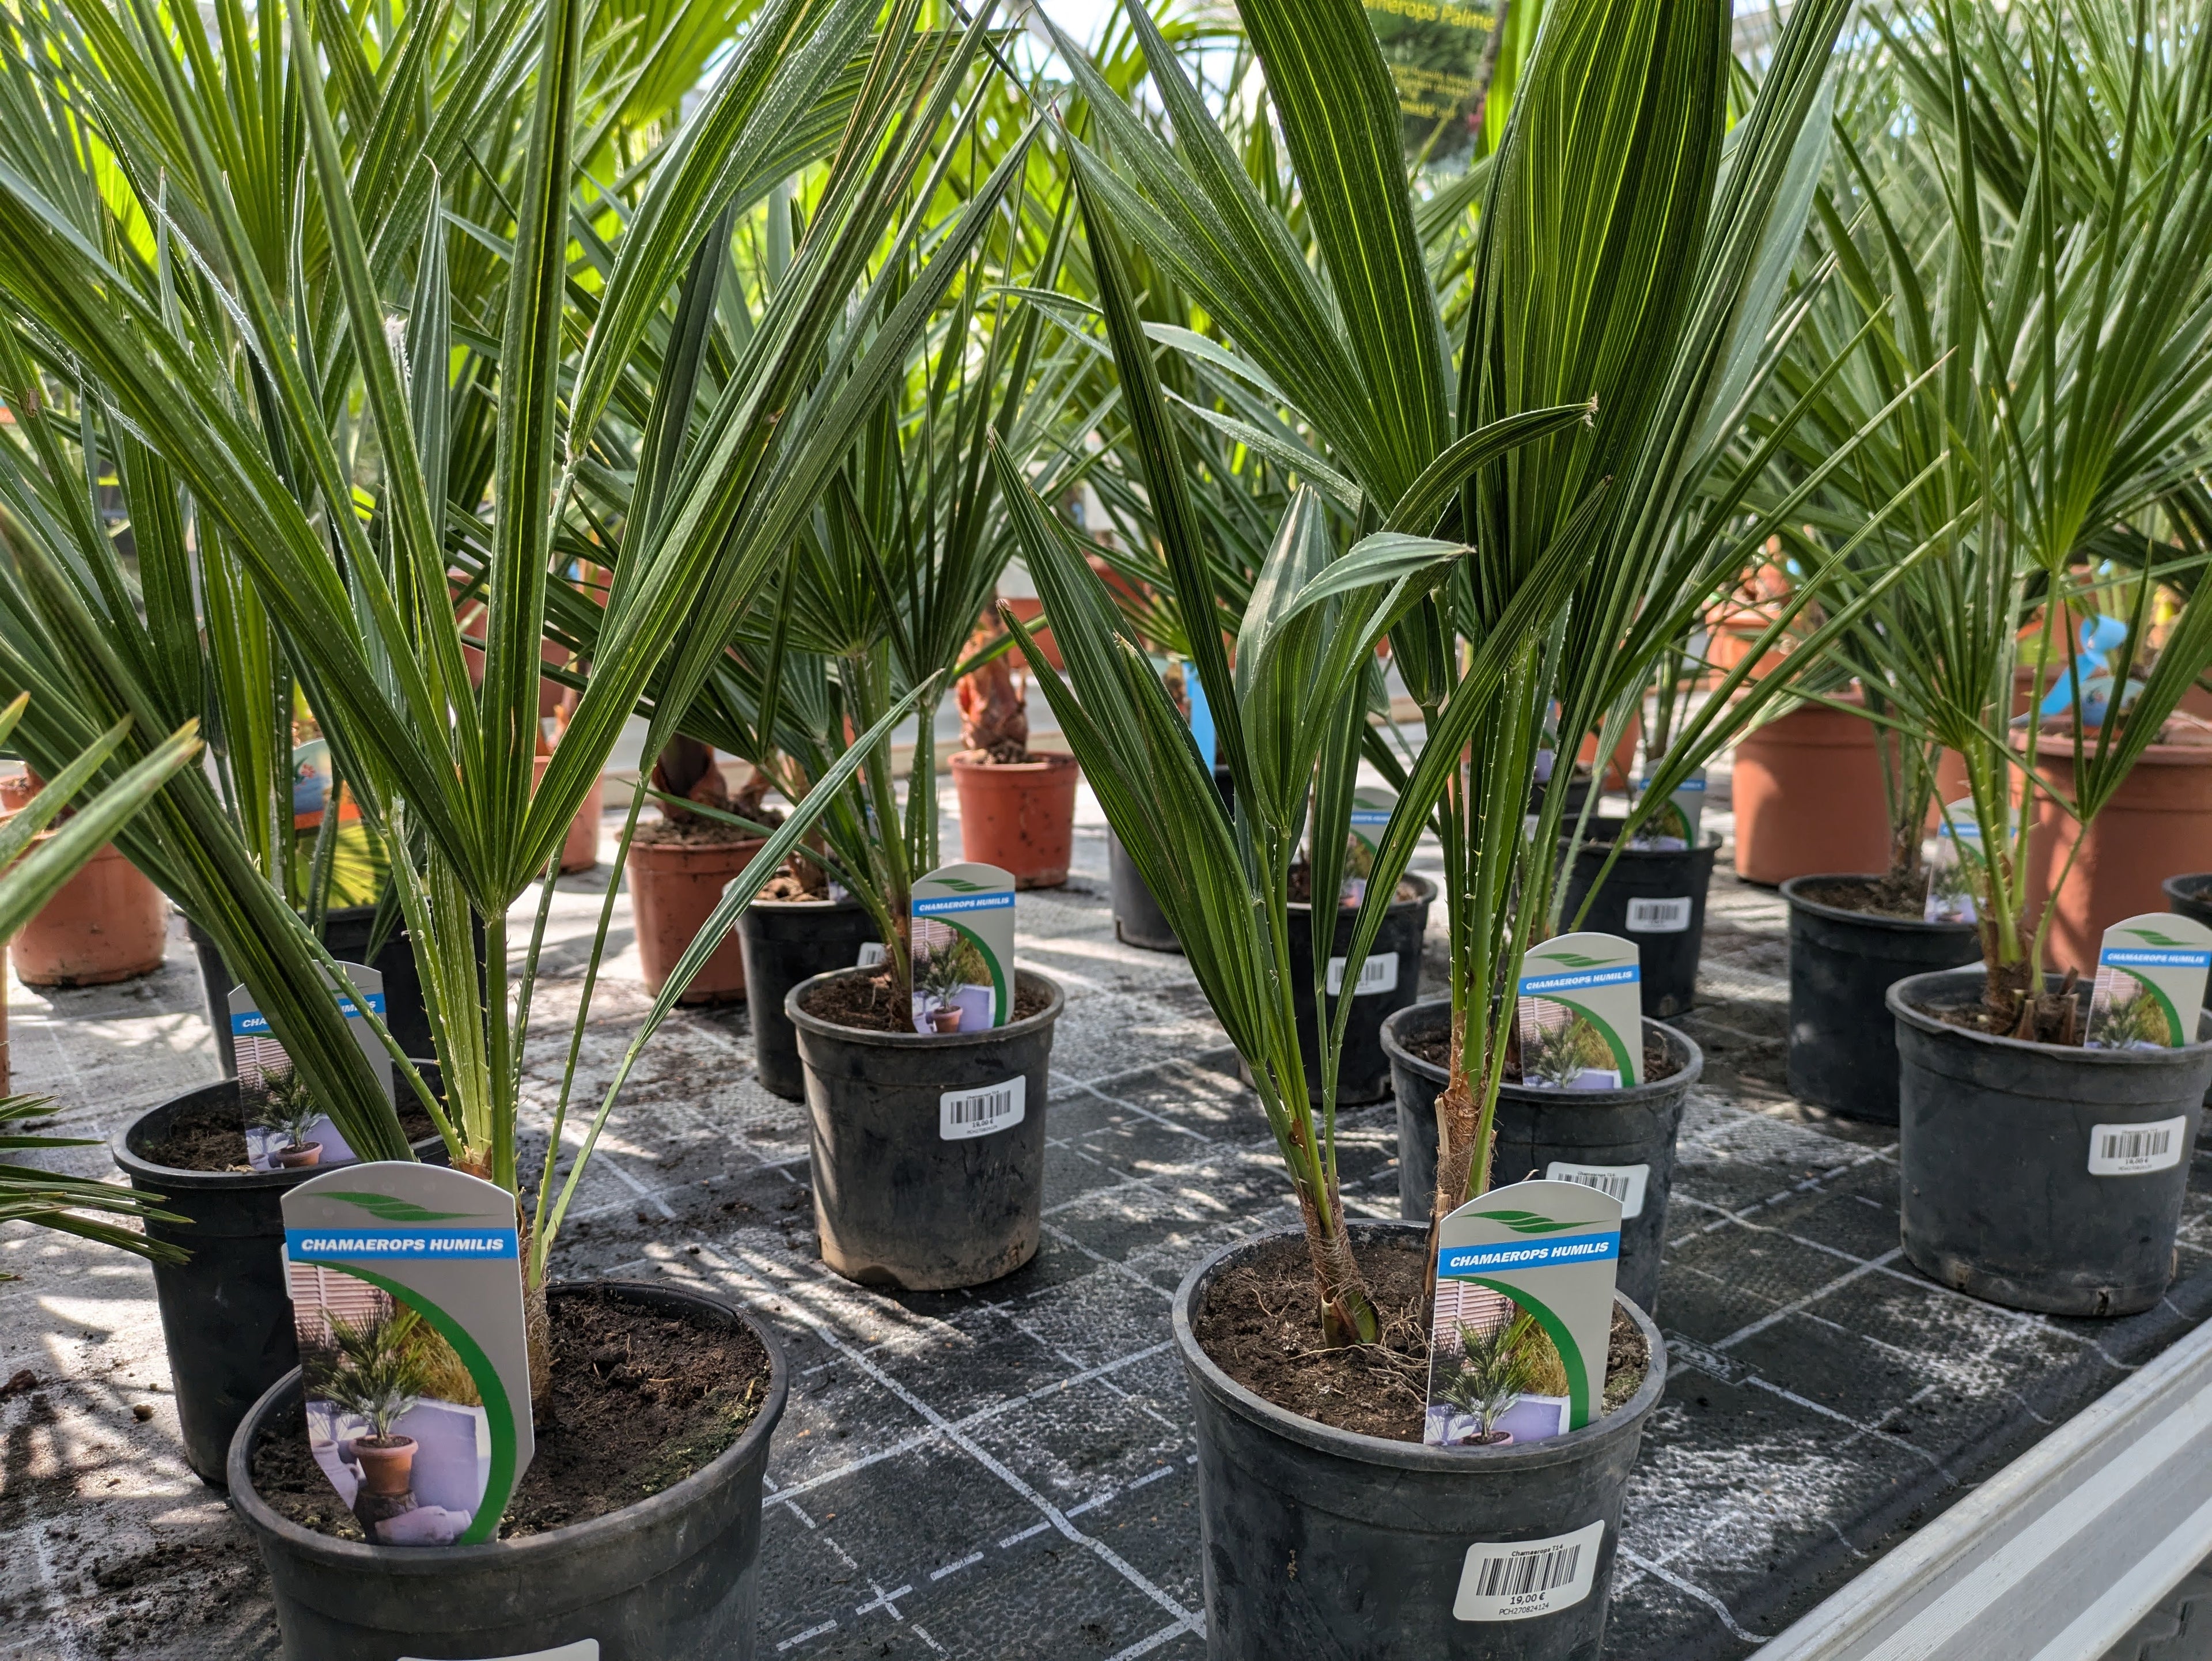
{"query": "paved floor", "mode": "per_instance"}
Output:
(1006, 1474)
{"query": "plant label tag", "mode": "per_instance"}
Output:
(584, 1649)
(1659, 916)
(872, 953)
(406, 1284)
(961, 937)
(1955, 863)
(961, 1114)
(1580, 1013)
(1512, 1580)
(1372, 808)
(1625, 1183)
(284, 1130)
(1377, 975)
(2136, 1150)
(1675, 825)
(1523, 1293)
(2150, 984)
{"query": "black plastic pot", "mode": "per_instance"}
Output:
(908, 1192)
(1137, 919)
(1843, 1040)
(1996, 1137)
(347, 932)
(784, 942)
(673, 1577)
(1363, 1072)
(1601, 1136)
(226, 1317)
(1319, 1542)
(2190, 897)
(1643, 900)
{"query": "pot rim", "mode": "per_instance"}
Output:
(1428, 897)
(1709, 842)
(677, 852)
(1867, 919)
(1627, 1419)
(1972, 976)
(1040, 762)
(2201, 895)
(1683, 1077)
(327, 1551)
(166, 1178)
(850, 902)
(938, 1041)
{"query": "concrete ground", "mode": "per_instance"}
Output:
(1006, 1473)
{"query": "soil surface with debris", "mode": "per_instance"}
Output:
(871, 1003)
(212, 1137)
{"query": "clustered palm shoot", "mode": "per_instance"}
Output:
(2031, 242)
(27, 880)
(1494, 1369)
(299, 395)
(1614, 265)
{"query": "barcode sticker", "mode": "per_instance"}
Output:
(1514, 1580)
(1624, 1183)
(965, 1113)
(871, 953)
(1649, 916)
(2135, 1150)
(1378, 974)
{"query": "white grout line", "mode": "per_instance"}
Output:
(1691, 1589)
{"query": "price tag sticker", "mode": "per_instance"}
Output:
(1513, 1580)
(2136, 1150)
(961, 1114)
(1624, 1183)
(871, 953)
(1659, 916)
(1379, 973)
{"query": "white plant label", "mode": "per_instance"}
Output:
(1581, 1013)
(2136, 1150)
(2150, 983)
(1656, 917)
(871, 953)
(1624, 1183)
(584, 1649)
(1512, 1580)
(961, 1114)
(280, 1141)
(1377, 975)
(961, 935)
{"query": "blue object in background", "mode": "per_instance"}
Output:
(2099, 637)
(1201, 718)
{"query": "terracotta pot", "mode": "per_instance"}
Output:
(1732, 635)
(1030, 609)
(107, 923)
(945, 1020)
(672, 891)
(1621, 775)
(385, 1472)
(581, 852)
(1808, 798)
(2158, 824)
(1020, 818)
(299, 1158)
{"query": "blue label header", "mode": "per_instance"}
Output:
(2136, 957)
(1528, 1254)
(1536, 984)
(253, 1020)
(938, 908)
(370, 1244)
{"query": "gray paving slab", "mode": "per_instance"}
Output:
(1006, 1473)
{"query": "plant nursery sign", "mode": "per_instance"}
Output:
(1580, 1013)
(2150, 983)
(1955, 865)
(1524, 1293)
(406, 1284)
(1673, 826)
(284, 1128)
(962, 936)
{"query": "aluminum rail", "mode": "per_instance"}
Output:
(2060, 1553)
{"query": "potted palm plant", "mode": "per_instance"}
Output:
(372, 1371)
(2028, 493)
(1506, 467)
(682, 470)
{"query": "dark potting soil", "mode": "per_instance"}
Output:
(642, 1399)
(871, 1003)
(1008, 754)
(700, 832)
(1435, 1048)
(1301, 889)
(1261, 1326)
(2053, 1017)
(212, 1137)
(1890, 896)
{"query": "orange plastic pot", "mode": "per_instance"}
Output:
(1808, 798)
(107, 923)
(672, 891)
(581, 851)
(2158, 824)
(1621, 774)
(1030, 610)
(1018, 817)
